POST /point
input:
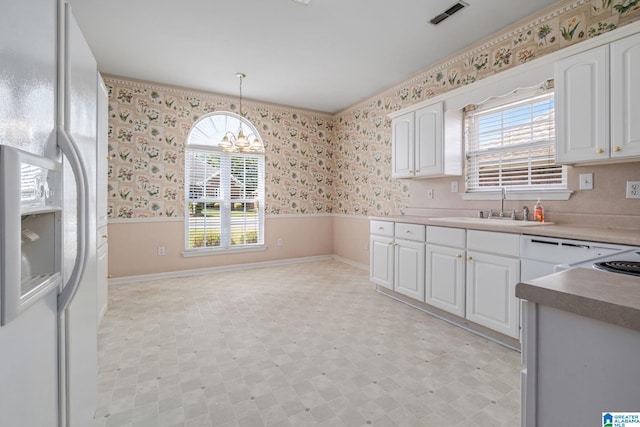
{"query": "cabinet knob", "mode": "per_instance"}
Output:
(104, 236)
(109, 276)
(599, 151)
(469, 258)
(380, 228)
(395, 244)
(458, 256)
(617, 148)
(390, 243)
(407, 231)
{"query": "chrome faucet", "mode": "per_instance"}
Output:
(503, 196)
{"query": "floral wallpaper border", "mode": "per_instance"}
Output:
(318, 163)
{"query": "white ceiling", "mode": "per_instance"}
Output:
(325, 56)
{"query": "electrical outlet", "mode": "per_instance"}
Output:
(279, 241)
(633, 189)
(586, 181)
(430, 193)
(161, 251)
(454, 186)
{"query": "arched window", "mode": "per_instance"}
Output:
(224, 184)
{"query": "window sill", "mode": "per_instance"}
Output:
(222, 251)
(519, 195)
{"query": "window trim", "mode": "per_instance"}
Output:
(522, 191)
(260, 156)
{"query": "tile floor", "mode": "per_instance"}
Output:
(307, 344)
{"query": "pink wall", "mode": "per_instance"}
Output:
(133, 247)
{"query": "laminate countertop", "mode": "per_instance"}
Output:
(593, 234)
(608, 297)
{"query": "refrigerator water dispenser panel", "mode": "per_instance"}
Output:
(31, 199)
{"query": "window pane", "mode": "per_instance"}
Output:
(245, 223)
(204, 225)
(513, 145)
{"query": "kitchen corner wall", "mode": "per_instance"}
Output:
(326, 173)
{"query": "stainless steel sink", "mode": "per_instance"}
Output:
(492, 221)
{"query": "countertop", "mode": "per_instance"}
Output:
(594, 234)
(608, 297)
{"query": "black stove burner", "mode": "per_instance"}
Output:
(624, 267)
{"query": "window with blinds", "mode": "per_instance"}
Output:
(224, 193)
(512, 144)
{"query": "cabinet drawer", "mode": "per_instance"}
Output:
(445, 236)
(381, 228)
(495, 243)
(415, 232)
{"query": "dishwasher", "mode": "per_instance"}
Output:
(540, 255)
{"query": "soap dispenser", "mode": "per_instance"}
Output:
(538, 212)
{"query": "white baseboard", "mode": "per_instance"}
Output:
(234, 267)
(351, 262)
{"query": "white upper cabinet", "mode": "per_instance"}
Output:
(429, 140)
(403, 136)
(423, 146)
(582, 106)
(597, 100)
(625, 97)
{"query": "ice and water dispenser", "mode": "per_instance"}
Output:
(30, 229)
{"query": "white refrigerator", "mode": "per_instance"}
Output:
(48, 140)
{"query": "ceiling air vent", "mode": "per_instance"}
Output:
(447, 13)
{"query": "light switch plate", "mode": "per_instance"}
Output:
(586, 181)
(633, 189)
(430, 193)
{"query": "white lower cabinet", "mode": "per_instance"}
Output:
(491, 281)
(409, 268)
(469, 273)
(445, 269)
(491, 298)
(397, 257)
(445, 279)
(381, 260)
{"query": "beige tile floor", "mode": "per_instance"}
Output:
(307, 344)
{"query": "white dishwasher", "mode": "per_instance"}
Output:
(540, 255)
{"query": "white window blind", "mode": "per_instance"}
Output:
(225, 197)
(513, 144)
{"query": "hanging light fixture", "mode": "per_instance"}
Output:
(240, 143)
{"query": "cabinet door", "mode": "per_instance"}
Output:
(445, 278)
(381, 261)
(403, 146)
(491, 299)
(429, 140)
(582, 106)
(625, 97)
(409, 269)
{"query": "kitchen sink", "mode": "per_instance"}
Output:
(492, 221)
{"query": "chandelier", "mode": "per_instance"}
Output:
(239, 142)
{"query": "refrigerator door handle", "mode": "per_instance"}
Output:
(70, 151)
